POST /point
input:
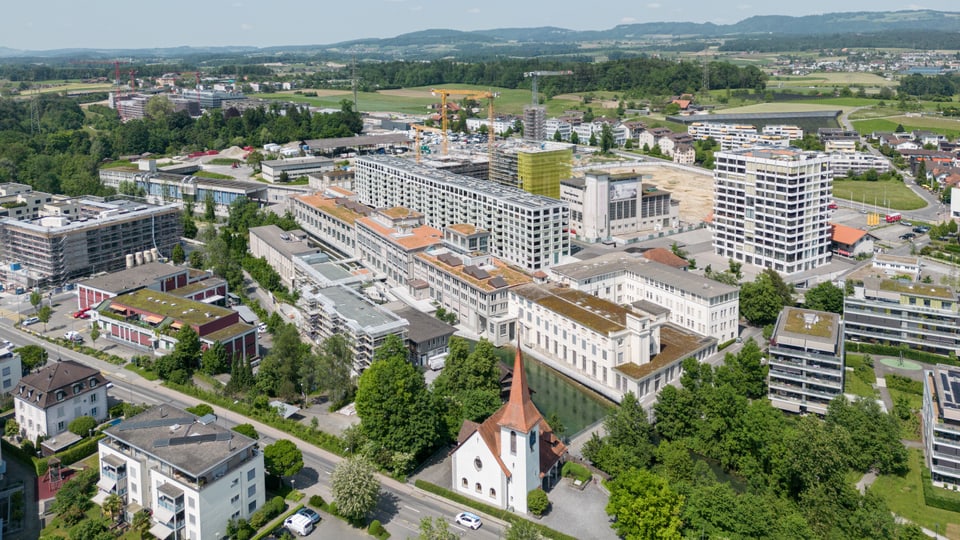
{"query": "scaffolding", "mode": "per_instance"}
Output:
(534, 168)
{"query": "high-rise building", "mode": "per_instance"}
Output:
(770, 208)
(534, 168)
(535, 123)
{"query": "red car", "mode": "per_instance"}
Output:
(832, 206)
(82, 314)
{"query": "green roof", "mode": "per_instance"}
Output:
(917, 288)
(167, 305)
(231, 331)
(810, 323)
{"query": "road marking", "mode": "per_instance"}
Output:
(458, 528)
(411, 508)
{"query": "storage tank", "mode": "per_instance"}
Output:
(130, 261)
(156, 254)
(139, 257)
(148, 256)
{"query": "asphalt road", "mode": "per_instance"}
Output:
(401, 506)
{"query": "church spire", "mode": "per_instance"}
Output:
(520, 413)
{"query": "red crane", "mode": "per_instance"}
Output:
(116, 75)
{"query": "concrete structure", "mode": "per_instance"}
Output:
(465, 280)
(342, 310)
(210, 99)
(156, 276)
(192, 474)
(19, 201)
(806, 360)
(47, 401)
(770, 208)
(941, 424)
(272, 170)
(279, 248)
(150, 320)
(889, 311)
(736, 136)
(510, 454)
(611, 348)
(536, 168)
(534, 123)
(318, 271)
(525, 230)
(850, 242)
(696, 303)
(428, 338)
(54, 248)
(331, 217)
(388, 241)
(604, 205)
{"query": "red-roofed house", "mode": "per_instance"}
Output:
(667, 257)
(850, 242)
(510, 454)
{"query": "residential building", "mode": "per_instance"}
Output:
(609, 347)
(272, 170)
(898, 265)
(669, 143)
(605, 205)
(737, 136)
(850, 241)
(11, 369)
(388, 241)
(150, 320)
(191, 474)
(210, 99)
(770, 208)
(156, 276)
(899, 312)
(856, 163)
(554, 125)
(941, 425)
(20, 201)
(536, 168)
(841, 145)
(54, 247)
(510, 454)
(428, 338)
(653, 137)
(342, 310)
(463, 278)
(806, 360)
(684, 154)
(330, 217)
(47, 401)
(525, 230)
(534, 123)
(696, 303)
(279, 248)
(790, 132)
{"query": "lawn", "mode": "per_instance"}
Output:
(904, 497)
(786, 107)
(213, 175)
(859, 381)
(892, 194)
(945, 126)
(832, 79)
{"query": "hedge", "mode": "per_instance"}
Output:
(509, 517)
(948, 500)
(376, 530)
(328, 442)
(277, 523)
(890, 350)
(69, 456)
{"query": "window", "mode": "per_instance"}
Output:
(463, 482)
(513, 442)
(478, 488)
(493, 493)
(533, 439)
(252, 507)
(93, 398)
(477, 464)
(235, 515)
(60, 426)
(235, 499)
(251, 474)
(6, 371)
(252, 490)
(192, 518)
(235, 482)
(93, 412)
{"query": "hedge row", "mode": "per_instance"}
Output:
(890, 350)
(69, 456)
(328, 442)
(945, 501)
(277, 522)
(509, 517)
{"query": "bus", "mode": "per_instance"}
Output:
(893, 218)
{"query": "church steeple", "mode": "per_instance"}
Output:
(520, 413)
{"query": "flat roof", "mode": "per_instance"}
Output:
(168, 305)
(360, 140)
(203, 284)
(132, 278)
(423, 327)
(417, 238)
(510, 276)
(351, 305)
(176, 437)
(332, 206)
(288, 243)
(676, 345)
(807, 328)
(292, 162)
(918, 288)
(592, 312)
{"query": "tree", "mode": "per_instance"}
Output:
(279, 373)
(593, 139)
(214, 360)
(82, 425)
(200, 409)
(606, 138)
(438, 529)
(32, 357)
(158, 107)
(73, 498)
(393, 403)
(11, 428)
(209, 208)
(113, 506)
(556, 136)
(522, 529)
(94, 332)
(248, 430)
(574, 138)
(355, 488)
(537, 502)
(197, 260)
(142, 523)
(178, 255)
(35, 298)
(335, 365)
(759, 302)
(644, 506)
(825, 297)
(44, 315)
(282, 458)
(736, 268)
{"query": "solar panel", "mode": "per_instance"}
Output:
(158, 422)
(193, 439)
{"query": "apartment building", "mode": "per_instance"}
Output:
(54, 248)
(736, 136)
(806, 360)
(526, 230)
(45, 402)
(192, 474)
(388, 241)
(941, 424)
(279, 248)
(897, 312)
(11, 368)
(850, 163)
(696, 303)
(20, 201)
(605, 205)
(330, 217)
(466, 280)
(770, 208)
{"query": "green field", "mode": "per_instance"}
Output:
(786, 107)
(831, 79)
(904, 497)
(896, 195)
(945, 126)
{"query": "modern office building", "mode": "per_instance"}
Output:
(605, 205)
(901, 312)
(272, 170)
(806, 360)
(526, 230)
(54, 248)
(770, 208)
(47, 401)
(388, 241)
(279, 248)
(696, 303)
(191, 474)
(941, 424)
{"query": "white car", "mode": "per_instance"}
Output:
(469, 520)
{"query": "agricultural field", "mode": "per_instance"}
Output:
(780, 107)
(946, 126)
(820, 80)
(69, 86)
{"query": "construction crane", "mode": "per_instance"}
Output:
(116, 76)
(471, 94)
(419, 128)
(537, 74)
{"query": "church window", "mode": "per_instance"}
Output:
(533, 439)
(477, 463)
(479, 489)
(513, 442)
(493, 493)
(464, 482)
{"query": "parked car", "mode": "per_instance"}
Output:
(832, 206)
(300, 524)
(907, 236)
(469, 520)
(308, 512)
(82, 314)
(73, 336)
(30, 320)
(906, 223)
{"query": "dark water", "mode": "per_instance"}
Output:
(577, 406)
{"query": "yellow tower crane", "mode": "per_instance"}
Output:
(444, 92)
(418, 128)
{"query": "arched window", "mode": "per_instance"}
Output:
(463, 482)
(493, 493)
(513, 442)
(479, 489)
(533, 439)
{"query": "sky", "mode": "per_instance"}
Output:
(114, 24)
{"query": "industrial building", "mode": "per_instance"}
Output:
(806, 360)
(273, 170)
(770, 208)
(144, 272)
(526, 230)
(536, 168)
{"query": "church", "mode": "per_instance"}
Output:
(510, 454)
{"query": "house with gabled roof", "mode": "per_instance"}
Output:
(511, 453)
(48, 400)
(850, 241)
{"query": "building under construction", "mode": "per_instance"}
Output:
(535, 123)
(535, 168)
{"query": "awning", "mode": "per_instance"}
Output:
(106, 484)
(154, 319)
(100, 497)
(162, 515)
(161, 531)
(212, 299)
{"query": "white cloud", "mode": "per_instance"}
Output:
(246, 27)
(654, 5)
(473, 11)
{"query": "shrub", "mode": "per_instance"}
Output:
(201, 409)
(576, 471)
(936, 497)
(376, 530)
(317, 501)
(537, 502)
(82, 425)
(904, 384)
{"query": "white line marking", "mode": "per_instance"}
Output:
(411, 508)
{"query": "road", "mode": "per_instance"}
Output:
(401, 506)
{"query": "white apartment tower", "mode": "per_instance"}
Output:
(770, 208)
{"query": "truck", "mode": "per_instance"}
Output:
(893, 218)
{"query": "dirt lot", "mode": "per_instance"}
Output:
(694, 191)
